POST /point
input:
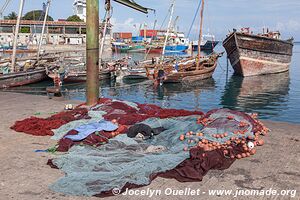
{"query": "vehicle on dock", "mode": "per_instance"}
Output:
(259, 54)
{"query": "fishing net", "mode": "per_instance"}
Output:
(126, 113)
(186, 151)
(90, 171)
(42, 127)
(191, 144)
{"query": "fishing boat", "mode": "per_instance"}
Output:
(22, 78)
(78, 76)
(135, 73)
(120, 47)
(185, 70)
(208, 43)
(259, 54)
(20, 49)
(67, 72)
(154, 49)
(137, 49)
(31, 71)
(176, 48)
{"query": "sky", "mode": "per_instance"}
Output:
(220, 16)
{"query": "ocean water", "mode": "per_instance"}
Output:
(275, 97)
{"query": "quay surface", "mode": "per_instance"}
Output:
(25, 175)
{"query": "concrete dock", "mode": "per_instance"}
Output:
(25, 175)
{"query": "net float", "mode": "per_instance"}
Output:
(248, 154)
(238, 156)
(260, 142)
(230, 117)
(253, 151)
(225, 151)
(250, 145)
(244, 155)
(181, 137)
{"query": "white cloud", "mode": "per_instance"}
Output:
(127, 25)
(289, 26)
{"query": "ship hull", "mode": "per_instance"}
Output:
(22, 78)
(252, 55)
(208, 46)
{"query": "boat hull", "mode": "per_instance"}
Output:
(190, 77)
(208, 46)
(22, 78)
(81, 77)
(177, 48)
(157, 50)
(135, 76)
(252, 55)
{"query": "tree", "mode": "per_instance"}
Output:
(11, 16)
(37, 15)
(74, 18)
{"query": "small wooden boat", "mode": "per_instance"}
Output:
(184, 71)
(22, 77)
(252, 55)
(75, 75)
(137, 73)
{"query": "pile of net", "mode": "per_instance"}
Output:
(126, 113)
(186, 150)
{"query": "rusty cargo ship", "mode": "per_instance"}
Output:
(260, 54)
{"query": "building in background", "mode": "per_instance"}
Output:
(56, 32)
(79, 7)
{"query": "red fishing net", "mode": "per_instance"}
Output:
(122, 112)
(42, 127)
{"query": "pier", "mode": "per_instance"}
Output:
(25, 175)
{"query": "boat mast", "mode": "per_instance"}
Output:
(107, 17)
(43, 29)
(200, 35)
(168, 30)
(92, 52)
(16, 36)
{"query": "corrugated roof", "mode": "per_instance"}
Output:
(32, 22)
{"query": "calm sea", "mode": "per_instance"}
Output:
(275, 97)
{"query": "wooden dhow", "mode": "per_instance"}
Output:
(252, 55)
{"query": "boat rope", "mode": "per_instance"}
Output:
(196, 14)
(6, 3)
(169, 12)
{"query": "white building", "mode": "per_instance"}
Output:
(79, 7)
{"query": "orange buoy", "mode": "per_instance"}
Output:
(260, 142)
(253, 151)
(182, 137)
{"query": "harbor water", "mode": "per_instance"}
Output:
(275, 97)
